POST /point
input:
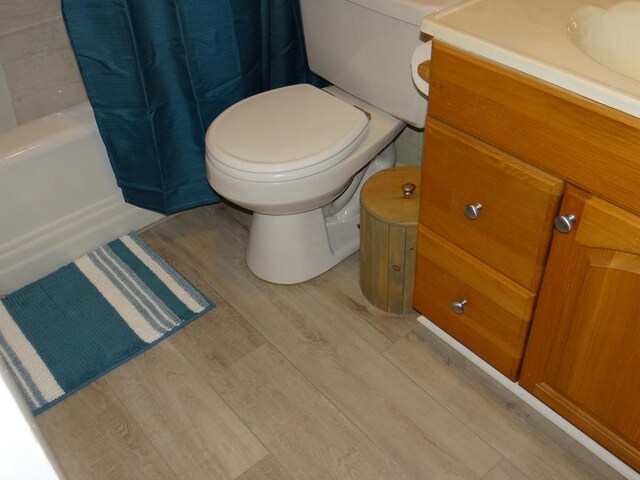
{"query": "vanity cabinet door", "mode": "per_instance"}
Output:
(583, 356)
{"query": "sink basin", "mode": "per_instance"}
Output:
(610, 36)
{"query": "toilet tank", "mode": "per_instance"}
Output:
(365, 46)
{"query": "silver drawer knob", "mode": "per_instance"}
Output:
(472, 210)
(408, 189)
(458, 306)
(564, 223)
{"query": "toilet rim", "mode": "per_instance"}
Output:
(285, 175)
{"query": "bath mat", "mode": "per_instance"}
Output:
(62, 332)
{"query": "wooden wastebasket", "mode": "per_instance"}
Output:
(388, 230)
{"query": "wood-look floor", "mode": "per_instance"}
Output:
(298, 382)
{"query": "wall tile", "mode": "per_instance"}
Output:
(49, 100)
(7, 114)
(41, 70)
(409, 147)
(19, 14)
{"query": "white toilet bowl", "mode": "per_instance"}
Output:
(296, 157)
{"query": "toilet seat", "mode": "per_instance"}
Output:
(284, 134)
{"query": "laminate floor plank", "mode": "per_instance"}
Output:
(308, 435)
(188, 422)
(228, 335)
(212, 239)
(340, 294)
(95, 437)
(494, 413)
(298, 382)
(269, 468)
(405, 422)
(298, 425)
(505, 471)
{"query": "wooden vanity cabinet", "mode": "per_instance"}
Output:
(485, 223)
(486, 218)
(528, 151)
(583, 357)
(576, 139)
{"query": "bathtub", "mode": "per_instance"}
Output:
(58, 196)
(58, 200)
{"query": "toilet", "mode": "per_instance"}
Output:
(297, 156)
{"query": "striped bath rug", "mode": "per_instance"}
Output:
(62, 332)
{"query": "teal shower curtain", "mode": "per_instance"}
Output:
(157, 72)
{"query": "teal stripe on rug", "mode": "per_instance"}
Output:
(149, 278)
(175, 276)
(78, 323)
(88, 327)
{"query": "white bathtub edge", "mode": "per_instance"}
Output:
(25, 452)
(41, 251)
(586, 441)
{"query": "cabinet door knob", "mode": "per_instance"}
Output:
(472, 210)
(458, 306)
(564, 223)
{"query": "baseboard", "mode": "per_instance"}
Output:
(586, 441)
(43, 250)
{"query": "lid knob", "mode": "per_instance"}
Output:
(408, 189)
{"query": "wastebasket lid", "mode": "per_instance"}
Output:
(384, 197)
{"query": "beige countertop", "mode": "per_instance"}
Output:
(531, 36)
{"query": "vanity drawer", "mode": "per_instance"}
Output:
(496, 318)
(586, 143)
(518, 202)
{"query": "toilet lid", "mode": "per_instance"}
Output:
(286, 133)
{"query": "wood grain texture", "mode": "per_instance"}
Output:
(196, 431)
(410, 258)
(519, 202)
(310, 437)
(584, 352)
(303, 431)
(523, 436)
(496, 319)
(397, 281)
(340, 294)
(333, 405)
(582, 359)
(93, 436)
(424, 70)
(187, 422)
(383, 198)
(399, 418)
(387, 263)
(378, 262)
(366, 255)
(505, 471)
(230, 337)
(269, 468)
(605, 226)
(387, 238)
(584, 142)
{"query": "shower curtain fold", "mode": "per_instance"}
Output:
(157, 72)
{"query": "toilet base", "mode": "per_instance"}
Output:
(289, 249)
